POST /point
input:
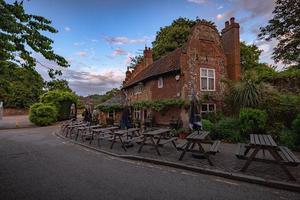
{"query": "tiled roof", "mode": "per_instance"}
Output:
(168, 63)
(118, 99)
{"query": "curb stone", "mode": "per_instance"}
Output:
(234, 176)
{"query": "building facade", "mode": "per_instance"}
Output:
(199, 68)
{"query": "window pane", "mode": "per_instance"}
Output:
(211, 107)
(203, 72)
(211, 84)
(211, 73)
(204, 108)
(204, 83)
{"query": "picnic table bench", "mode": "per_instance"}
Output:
(199, 138)
(85, 131)
(281, 155)
(102, 133)
(132, 134)
(161, 139)
(71, 128)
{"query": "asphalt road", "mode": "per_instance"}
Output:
(35, 164)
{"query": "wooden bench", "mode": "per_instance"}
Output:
(215, 147)
(288, 157)
(240, 150)
(162, 142)
(181, 145)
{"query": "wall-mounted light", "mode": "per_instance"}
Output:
(177, 77)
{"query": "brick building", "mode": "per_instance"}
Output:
(198, 67)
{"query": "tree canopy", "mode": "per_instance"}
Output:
(285, 28)
(249, 56)
(21, 33)
(57, 84)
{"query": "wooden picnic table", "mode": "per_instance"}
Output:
(199, 138)
(132, 132)
(97, 131)
(73, 126)
(85, 131)
(281, 155)
(160, 134)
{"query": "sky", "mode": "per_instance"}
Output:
(98, 37)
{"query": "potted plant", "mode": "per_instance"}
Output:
(183, 133)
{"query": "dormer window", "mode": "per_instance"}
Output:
(160, 82)
(207, 79)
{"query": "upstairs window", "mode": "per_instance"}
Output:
(207, 77)
(160, 82)
(138, 89)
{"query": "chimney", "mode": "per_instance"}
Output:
(231, 45)
(148, 59)
(128, 75)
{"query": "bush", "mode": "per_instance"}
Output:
(288, 138)
(252, 121)
(42, 114)
(227, 128)
(62, 101)
(207, 125)
(296, 130)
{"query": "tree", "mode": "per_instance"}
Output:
(285, 28)
(19, 87)
(249, 56)
(21, 32)
(57, 84)
(173, 36)
(134, 61)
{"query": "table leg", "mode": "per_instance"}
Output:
(279, 160)
(201, 149)
(123, 145)
(155, 144)
(185, 150)
(250, 159)
(113, 141)
(143, 143)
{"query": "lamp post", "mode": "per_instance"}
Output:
(1, 110)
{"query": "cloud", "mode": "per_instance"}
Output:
(94, 40)
(119, 51)
(196, 1)
(67, 29)
(122, 40)
(79, 43)
(220, 7)
(219, 17)
(82, 53)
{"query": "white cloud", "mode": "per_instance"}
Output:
(121, 40)
(94, 40)
(119, 51)
(197, 1)
(219, 7)
(82, 53)
(79, 43)
(219, 17)
(67, 29)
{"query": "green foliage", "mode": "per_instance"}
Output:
(285, 28)
(289, 138)
(252, 121)
(57, 84)
(62, 101)
(20, 33)
(110, 108)
(19, 87)
(207, 125)
(228, 128)
(173, 36)
(296, 124)
(135, 61)
(249, 56)
(158, 105)
(43, 114)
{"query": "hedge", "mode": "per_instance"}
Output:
(43, 114)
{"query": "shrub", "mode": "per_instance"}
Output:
(296, 130)
(288, 138)
(62, 101)
(207, 125)
(228, 128)
(252, 121)
(42, 114)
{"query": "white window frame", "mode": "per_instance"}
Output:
(114, 114)
(137, 89)
(137, 111)
(160, 82)
(207, 106)
(207, 79)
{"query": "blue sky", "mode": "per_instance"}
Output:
(98, 37)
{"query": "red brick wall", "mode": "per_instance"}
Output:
(164, 117)
(15, 111)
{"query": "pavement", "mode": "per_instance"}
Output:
(36, 164)
(17, 121)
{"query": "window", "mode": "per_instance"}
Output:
(137, 114)
(160, 82)
(207, 77)
(138, 89)
(208, 108)
(111, 114)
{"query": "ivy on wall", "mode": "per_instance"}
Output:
(158, 105)
(110, 108)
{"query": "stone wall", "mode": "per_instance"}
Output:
(15, 111)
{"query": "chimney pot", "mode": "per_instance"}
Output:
(232, 20)
(226, 24)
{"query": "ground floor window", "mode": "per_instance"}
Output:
(111, 114)
(137, 114)
(208, 108)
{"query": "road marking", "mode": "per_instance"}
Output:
(227, 182)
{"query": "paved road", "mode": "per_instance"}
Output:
(35, 164)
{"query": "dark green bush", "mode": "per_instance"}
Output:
(288, 138)
(42, 114)
(228, 129)
(62, 101)
(296, 130)
(252, 121)
(207, 125)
